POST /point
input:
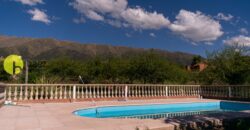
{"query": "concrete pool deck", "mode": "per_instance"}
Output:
(58, 116)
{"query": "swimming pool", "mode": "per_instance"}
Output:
(162, 110)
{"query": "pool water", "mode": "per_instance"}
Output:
(162, 110)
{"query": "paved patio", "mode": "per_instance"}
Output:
(58, 116)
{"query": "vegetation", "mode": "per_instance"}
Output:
(228, 66)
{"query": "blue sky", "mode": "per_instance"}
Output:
(192, 26)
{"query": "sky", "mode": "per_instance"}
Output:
(193, 26)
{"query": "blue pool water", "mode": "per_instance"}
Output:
(162, 110)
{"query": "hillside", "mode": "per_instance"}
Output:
(45, 49)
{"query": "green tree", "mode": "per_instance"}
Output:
(228, 66)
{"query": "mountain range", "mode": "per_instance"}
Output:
(48, 48)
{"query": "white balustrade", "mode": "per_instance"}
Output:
(28, 92)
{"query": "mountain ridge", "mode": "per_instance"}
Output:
(48, 48)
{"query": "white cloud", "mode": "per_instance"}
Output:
(221, 16)
(141, 19)
(196, 27)
(243, 31)
(238, 40)
(117, 13)
(38, 15)
(96, 9)
(152, 35)
(30, 2)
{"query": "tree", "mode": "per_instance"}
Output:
(228, 66)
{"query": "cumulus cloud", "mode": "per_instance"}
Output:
(138, 18)
(243, 31)
(117, 13)
(30, 2)
(38, 15)
(196, 27)
(238, 40)
(221, 16)
(97, 9)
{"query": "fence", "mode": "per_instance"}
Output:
(2, 90)
(68, 92)
(78, 92)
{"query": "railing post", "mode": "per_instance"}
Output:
(166, 91)
(74, 92)
(2, 93)
(229, 92)
(126, 92)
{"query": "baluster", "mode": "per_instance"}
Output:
(61, 92)
(31, 93)
(104, 91)
(194, 91)
(166, 91)
(56, 92)
(70, 87)
(90, 92)
(46, 92)
(140, 90)
(80, 92)
(51, 92)
(93, 87)
(25, 93)
(156, 90)
(116, 91)
(131, 91)
(184, 91)
(123, 91)
(42, 92)
(161, 91)
(65, 92)
(152, 91)
(174, 90)
(120, 91)
(83, 91)
(21, 93)
(169, 90)
(143, 91)
(6, 93)
(36, 95)
(136, 91)
(10, 93)
(86, 92)
(101, 91)
(15, 93)
(98, 91)
(112, 91)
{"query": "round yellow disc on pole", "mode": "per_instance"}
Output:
(13, 64)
